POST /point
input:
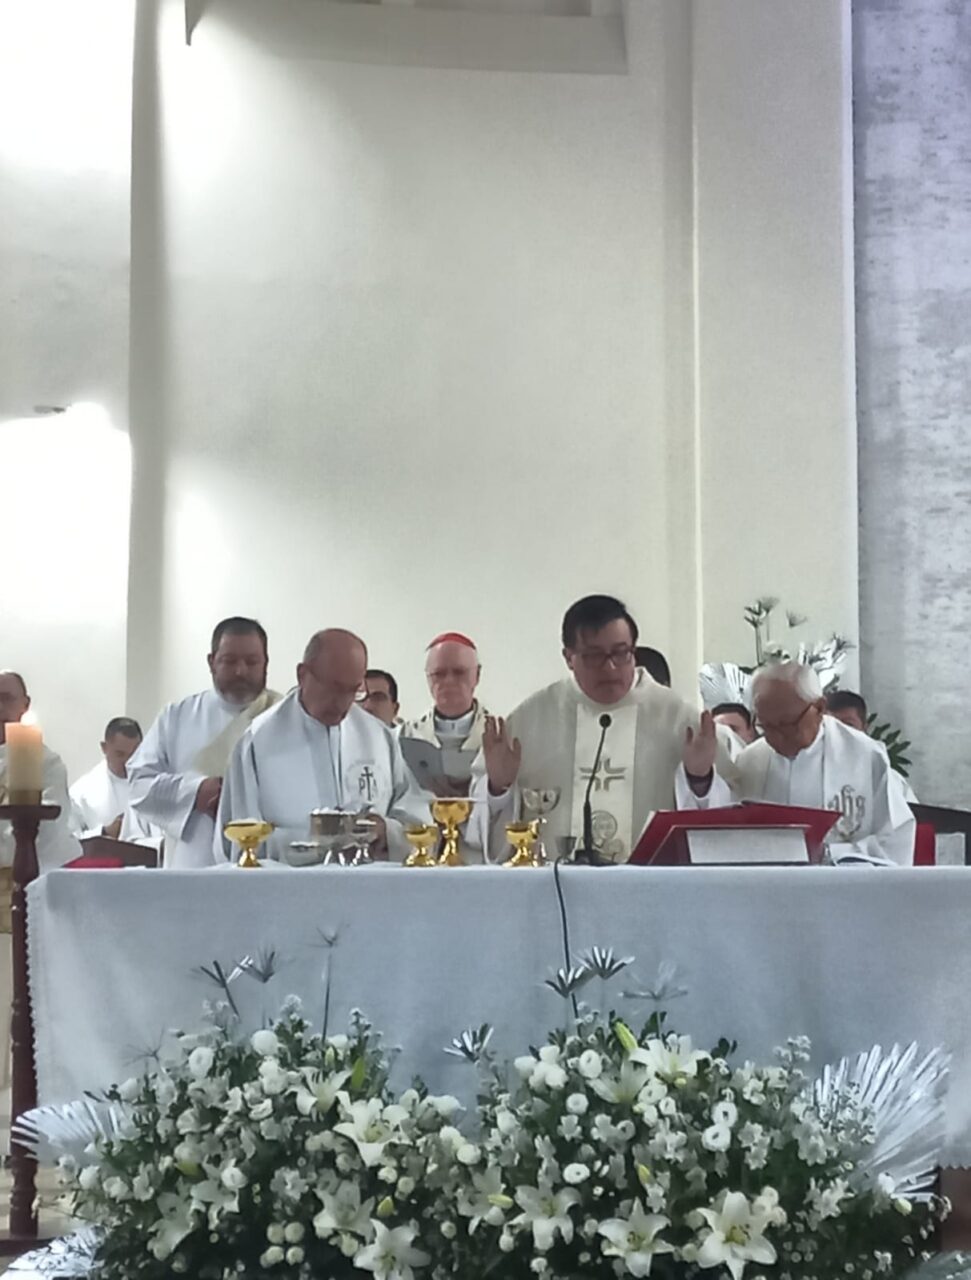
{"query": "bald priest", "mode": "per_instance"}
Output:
(319, 749)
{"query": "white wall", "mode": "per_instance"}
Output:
(65, 108)
(774, 236)
(416, 348)
(428, 360)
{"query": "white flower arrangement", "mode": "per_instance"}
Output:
(600, 1153)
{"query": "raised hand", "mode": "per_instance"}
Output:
(503, 755)
(700, 748)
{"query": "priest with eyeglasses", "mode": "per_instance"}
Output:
(809, 759)
(551, 740)
(319, 749)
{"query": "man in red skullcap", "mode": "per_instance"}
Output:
(456, 719)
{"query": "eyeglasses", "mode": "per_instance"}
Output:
(376, 695)
(784, 726)
(620, 656)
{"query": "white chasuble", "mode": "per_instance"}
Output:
(559, 730)
(288, 764)
(165, 772)
(612, 787)
(842, 770)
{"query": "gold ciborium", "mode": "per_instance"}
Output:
(540, 802)
(423, 840)
(522, 837)
(450, 813)
(249, 834)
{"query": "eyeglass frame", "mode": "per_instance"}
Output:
(597, 659)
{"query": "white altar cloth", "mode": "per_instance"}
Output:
(850, 957)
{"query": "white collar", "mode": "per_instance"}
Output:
(461, 725)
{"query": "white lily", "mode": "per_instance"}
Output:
(486, 1200)
(176, 1221)
(392, 1255)
(546, 1213)
(735, 1235)
(624, 1087)
(370, 1125)
(634, 1239)
(672, 1059)
(343, 1212)
(318, 1092)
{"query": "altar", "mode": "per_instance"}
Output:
(850, 957)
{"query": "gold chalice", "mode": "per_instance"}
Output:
(522, 837)
(249, 834)
(422, 840)
(540, 802)
(450, 813)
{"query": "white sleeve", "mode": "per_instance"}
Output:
(239, 798)
(158, 794)
(83, 821)
(717, 796)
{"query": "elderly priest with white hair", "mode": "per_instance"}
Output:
(318, 749)
(811, 760)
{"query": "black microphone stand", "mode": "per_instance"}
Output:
(587, 855)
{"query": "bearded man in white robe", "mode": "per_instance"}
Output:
(100, 797)
(809, 759)
(318, 749)
(550, 741)
(176, 774)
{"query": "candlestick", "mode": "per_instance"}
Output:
(25, 763)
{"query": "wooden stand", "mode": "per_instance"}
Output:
(26, 820)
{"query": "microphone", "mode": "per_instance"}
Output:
(588, 853)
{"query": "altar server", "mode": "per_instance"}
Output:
(319, 749)
(551, 739)
(56, 843)
(810, 759)
(176, 774)
(100, 797)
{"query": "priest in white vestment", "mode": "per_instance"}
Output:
(455, 721)
(812, 760)
(176, 774)
(100, 797)
(318, 749)
(551, 739)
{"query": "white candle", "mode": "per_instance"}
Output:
(25, 758)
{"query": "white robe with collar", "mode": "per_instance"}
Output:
(287, 764)
(56, 843)
(164, 777)
(842, 770)
(98, 798)
(558, 728)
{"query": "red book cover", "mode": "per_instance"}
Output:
(663, 843)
